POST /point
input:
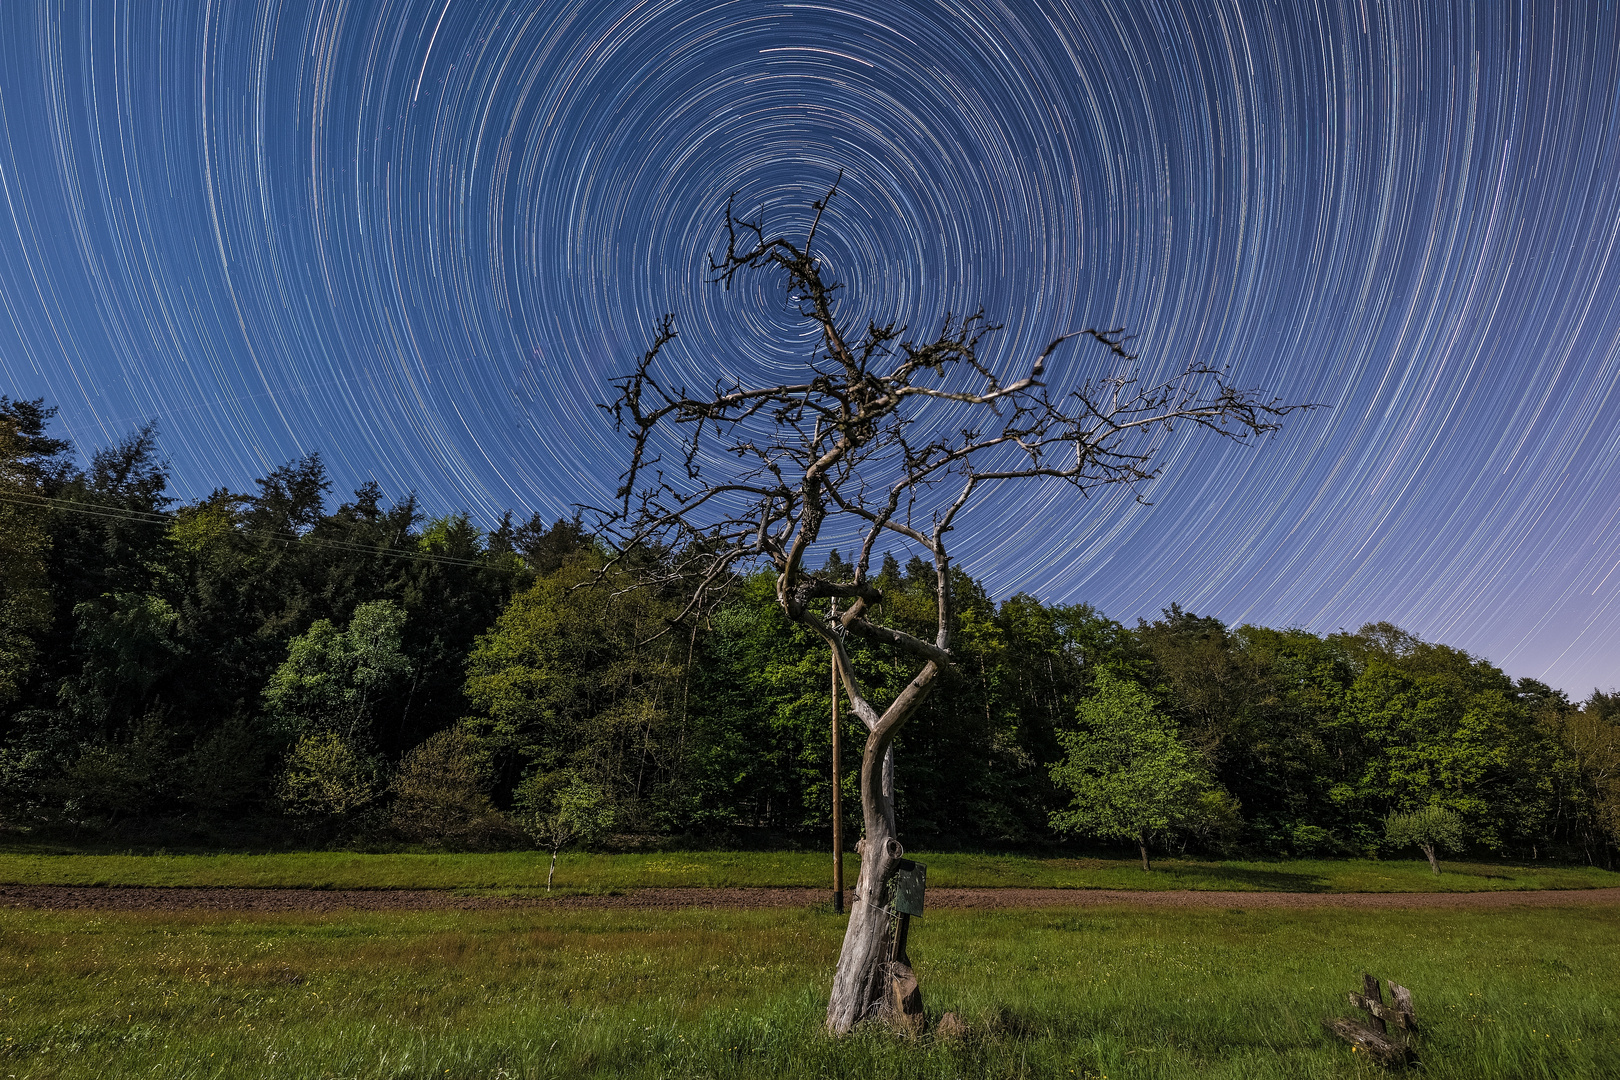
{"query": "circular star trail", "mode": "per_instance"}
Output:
(420, 236)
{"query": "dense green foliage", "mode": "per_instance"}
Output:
(1430, 828)
(1094, 992)
(253, 661)
(1129, 774)
(184, 651)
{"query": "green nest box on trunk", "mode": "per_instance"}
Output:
(909, 883)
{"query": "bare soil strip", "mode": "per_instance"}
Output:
(320, 901)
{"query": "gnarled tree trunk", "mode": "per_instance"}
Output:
(872, 980)
(843, 442)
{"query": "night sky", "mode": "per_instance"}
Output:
(420, 235)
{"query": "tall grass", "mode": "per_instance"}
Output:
(523, 871)
(1103, 992)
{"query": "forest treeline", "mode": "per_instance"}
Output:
(283, 662)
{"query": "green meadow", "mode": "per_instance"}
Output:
(526, 871)
(1102, 992)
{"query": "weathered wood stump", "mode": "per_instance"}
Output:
(1378, 1047)
(905, 1004)
(1372, 1037)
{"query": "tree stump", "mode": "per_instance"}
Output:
(1372, 1037)
(1376, 1046)
(905, 1004)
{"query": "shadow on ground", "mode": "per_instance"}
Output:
(1229, 877)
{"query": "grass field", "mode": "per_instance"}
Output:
(525, 871)
(1109, 992)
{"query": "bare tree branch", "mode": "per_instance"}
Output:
(765, 469)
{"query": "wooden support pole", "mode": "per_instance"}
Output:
(837, 801)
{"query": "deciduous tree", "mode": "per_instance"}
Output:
(1130, 775)
(880, 433)
(1591, 739)
(563, 682)
(1428, 827)
(332, 680)
(560, 808)
(327, 780)
(439, 794)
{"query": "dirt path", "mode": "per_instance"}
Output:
(317, 901)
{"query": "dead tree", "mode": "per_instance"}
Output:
(882, 436)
